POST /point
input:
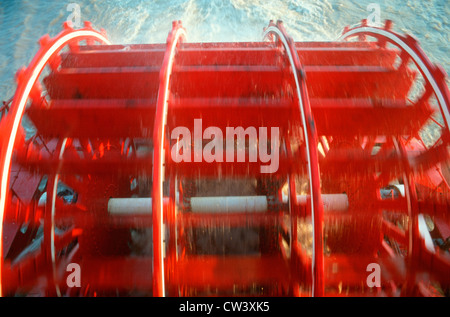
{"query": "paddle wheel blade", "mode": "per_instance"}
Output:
(270, 168)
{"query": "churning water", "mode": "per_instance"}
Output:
(23, 22)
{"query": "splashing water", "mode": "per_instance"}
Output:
(23, 22)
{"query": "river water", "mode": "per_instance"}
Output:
(23, 22)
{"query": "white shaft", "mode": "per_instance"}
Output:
(226, 204)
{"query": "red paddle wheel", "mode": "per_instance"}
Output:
(357, 132)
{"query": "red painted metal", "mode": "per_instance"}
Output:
(27, 80)
(175, 36)
(311, 137)
(354, 118)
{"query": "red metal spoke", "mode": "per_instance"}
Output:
(311, 148)
(12, 121)
(175, 36)
(434, 75)
(49, 220)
